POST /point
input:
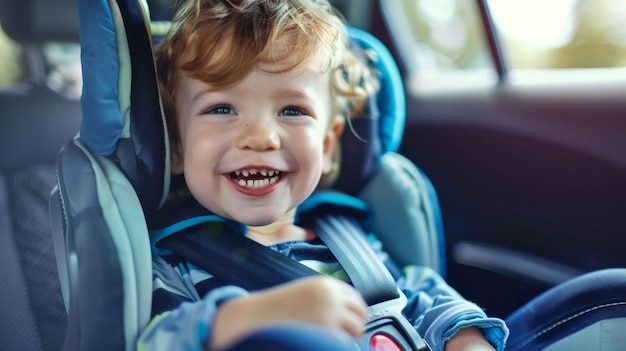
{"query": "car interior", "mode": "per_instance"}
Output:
(36, 122)
(107, 196)
(529, 176)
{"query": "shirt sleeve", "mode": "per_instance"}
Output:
(187, 327)
(438, 312)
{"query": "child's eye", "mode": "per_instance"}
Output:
(293, 112)
(220, 110)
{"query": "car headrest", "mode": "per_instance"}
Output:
(122, 115)
(39, 21)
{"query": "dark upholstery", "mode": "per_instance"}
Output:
(35, 122)
(39, 21)
(32, 314)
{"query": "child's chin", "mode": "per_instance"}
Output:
(258, 221)
(266, 214)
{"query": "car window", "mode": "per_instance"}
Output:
(64, 70)
(539, 34)
(55, 65)
(443, 46)
(10, 67)
(441, 43)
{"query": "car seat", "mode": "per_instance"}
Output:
(116, 173)
(35, 122)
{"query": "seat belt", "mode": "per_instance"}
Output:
(237, 260)
(342, 235)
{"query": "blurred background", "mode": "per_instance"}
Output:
(445, 35)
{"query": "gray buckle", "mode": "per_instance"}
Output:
(386, 319)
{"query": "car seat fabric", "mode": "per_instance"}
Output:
(17, 325)
(121, 108)
(29, 242)
(35, 122)
(405, 201)
(408, 219)
(581, 314)
(107, 270)
(110, 288)
(116, 174)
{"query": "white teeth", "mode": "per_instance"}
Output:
(249, 172)
(272, 177)
(259, 183)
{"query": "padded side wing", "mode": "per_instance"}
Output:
(407, 215)
(121, 106)
(108, 252)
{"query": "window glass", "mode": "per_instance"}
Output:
(64, 74)
(10, 67)
(441, 42)
(540, 34)
(55, 65)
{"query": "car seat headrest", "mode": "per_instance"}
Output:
(390, 99)
(379, 127)
(123, 116)
(39, 21)
(121, 107)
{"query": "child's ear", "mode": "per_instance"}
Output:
(331, 147)
(177, 166)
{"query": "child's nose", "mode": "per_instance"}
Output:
(259, 134)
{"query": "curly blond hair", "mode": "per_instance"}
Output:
(242, 32)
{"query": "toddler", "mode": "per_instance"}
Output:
(256, 94)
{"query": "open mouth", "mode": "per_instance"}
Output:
(255, 178)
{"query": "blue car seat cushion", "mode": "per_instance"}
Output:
(569, 308)
(122, 116)
(404, 204)
(102, 117)
(97, 198)
(377, 128)
(390, 99)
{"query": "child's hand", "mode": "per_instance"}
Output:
(468, 339)
(321, 300)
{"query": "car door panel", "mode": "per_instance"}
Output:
(534, 172)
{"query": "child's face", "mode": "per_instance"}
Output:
(256, 150)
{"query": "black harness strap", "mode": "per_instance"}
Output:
(235, 259)
(344, 238)
(238, 260)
